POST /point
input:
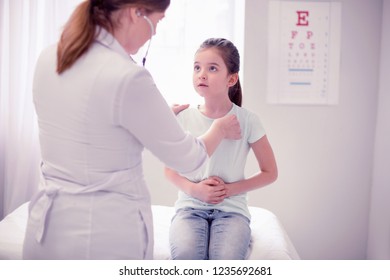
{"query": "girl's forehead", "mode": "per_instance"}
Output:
(208, 54)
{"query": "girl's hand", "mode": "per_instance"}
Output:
(227, 187)
(229, 127)
(220, 181)
(209, 191)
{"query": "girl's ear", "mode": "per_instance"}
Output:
(233, 79)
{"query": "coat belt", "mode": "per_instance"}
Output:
(119, 182)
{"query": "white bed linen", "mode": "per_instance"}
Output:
(269, 239)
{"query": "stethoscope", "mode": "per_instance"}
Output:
(151, 35)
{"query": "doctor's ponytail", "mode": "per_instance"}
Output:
(78, 34)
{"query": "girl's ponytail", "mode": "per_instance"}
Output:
(235, 93)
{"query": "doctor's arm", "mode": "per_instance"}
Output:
(226, 127)
(145, 113)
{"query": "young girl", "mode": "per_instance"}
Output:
(212, 218)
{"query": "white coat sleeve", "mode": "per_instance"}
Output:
(143, 111)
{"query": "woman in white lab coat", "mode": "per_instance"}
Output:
(97, 110)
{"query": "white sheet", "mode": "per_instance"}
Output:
(269, 239)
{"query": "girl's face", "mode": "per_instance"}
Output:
(211, 77)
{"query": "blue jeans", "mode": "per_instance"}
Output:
(197, 234)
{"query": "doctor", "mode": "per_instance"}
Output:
(97, 110)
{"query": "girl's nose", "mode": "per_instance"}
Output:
(202, 76)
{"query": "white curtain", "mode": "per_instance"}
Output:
(28, 26)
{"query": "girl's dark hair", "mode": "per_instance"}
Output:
(81, 29)
(231, 57)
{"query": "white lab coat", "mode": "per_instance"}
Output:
(94, 121)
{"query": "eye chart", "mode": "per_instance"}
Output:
(304, 52)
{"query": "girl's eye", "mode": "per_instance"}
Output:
(196, 68)
(213, 68)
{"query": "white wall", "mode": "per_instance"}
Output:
(324, 153)
(379, 229)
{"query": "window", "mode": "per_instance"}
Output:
(186, 25)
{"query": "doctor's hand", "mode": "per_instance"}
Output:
(209, 190)
(177, 108)
(229, 126)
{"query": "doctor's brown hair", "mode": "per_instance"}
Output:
(84, 25)
(231, 57)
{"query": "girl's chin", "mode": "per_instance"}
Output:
(201, 90)
(200, 93)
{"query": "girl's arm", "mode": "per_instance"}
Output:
(213, 190)
(268, 174)
(209, 190)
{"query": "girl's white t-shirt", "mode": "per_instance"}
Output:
(227, 162)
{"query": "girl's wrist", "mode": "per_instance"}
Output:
(191, 189)
(228, 189)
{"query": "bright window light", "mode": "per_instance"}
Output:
(186, 25)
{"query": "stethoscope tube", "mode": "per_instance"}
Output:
(150, 40)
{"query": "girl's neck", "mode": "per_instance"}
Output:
(216, 108)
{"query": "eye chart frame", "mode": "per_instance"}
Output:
(304, 52)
